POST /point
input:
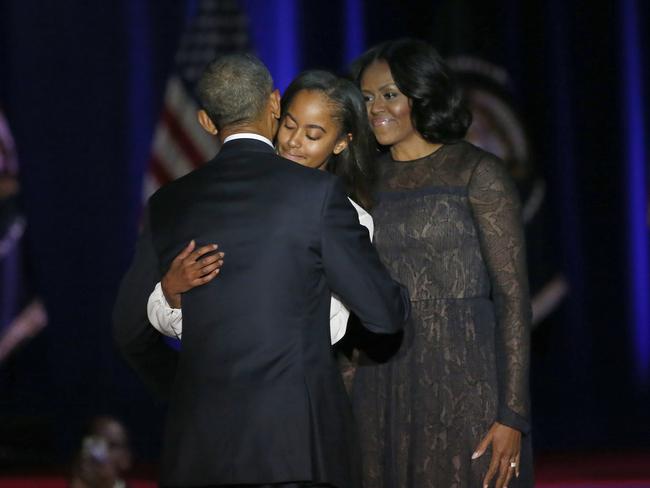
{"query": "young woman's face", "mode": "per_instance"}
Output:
(308, 134)
(389, 110)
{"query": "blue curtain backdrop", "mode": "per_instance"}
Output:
(81, 84)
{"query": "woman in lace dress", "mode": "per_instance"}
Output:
(451, 407)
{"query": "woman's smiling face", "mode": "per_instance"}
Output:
(308, 133)
(389, 110)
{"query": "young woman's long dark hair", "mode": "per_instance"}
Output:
(354, 165)
(438, 110)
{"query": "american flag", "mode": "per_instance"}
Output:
(180, 145)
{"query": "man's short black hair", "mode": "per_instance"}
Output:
(234, 89)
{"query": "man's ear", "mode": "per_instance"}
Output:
(274, 103)
(206, 122)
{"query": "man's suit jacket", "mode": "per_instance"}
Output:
(255, 393)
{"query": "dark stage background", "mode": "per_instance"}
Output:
(82, 82)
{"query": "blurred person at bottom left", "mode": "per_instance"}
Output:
(104, 457)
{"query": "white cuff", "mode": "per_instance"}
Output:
(339, 315)
(167, 320)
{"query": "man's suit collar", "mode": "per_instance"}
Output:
(248, 135)
(246, 144)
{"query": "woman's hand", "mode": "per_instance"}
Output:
(506, 444)
(190, 269)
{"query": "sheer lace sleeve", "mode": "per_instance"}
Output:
(495, 205)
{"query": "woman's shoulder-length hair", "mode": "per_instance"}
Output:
(438, 110)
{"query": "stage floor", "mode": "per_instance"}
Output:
(627, 469)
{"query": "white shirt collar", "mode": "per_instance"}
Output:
(248, 135)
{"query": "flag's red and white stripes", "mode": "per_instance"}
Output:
(180, 144)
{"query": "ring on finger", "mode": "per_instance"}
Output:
(513, 464)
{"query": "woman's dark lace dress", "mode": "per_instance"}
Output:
(448, 227)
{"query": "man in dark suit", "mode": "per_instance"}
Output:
(256, 397)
